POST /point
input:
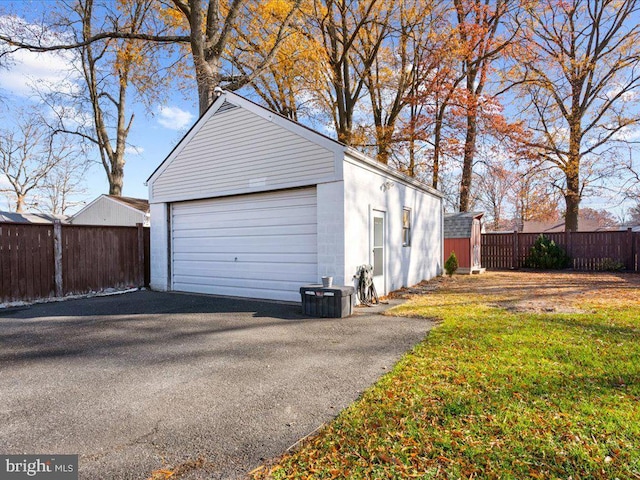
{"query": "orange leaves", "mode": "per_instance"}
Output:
(128, 54)
(169, 473)
(276, 8)
(161, 474)
(172, 17)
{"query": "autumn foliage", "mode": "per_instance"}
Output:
(447, 92)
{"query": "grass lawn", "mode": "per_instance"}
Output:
(526, 376)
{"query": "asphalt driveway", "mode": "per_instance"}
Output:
(140, 381)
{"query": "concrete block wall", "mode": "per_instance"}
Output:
(331, 239)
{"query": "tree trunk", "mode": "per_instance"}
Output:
(469, 153)
(571, 219)
(572, 195)
(19, 202)
(385, 136)
(344, 128)
(411, 168)
(437, 139)
(116, 179)
(572, 166)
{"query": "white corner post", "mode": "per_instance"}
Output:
(160, 246)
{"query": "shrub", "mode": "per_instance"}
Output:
(546, 254)
(451, 265)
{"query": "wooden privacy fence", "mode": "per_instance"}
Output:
(590, 251)
(41, 261)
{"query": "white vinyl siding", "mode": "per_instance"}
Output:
(258, 246)
(238, 151)
(105, 211)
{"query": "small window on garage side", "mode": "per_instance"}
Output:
(406, 227)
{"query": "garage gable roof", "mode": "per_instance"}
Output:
(229, 100)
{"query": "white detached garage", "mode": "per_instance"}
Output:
(252, 204)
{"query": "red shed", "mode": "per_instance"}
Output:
(462, 234)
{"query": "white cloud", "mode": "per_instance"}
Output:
(133, 150)
(52, 71)
(174, 118)
(627, 134)
(29, 70)
(4, 182)
(628, 96)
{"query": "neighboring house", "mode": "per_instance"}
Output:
(14, 217)
(463, 235)
(627, 226)
(113, 210)
(557, 226)
(252, 204)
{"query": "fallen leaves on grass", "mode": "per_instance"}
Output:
(498, 393)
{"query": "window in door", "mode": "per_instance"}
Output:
(378, 246)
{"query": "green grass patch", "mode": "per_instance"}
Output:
(493, 394)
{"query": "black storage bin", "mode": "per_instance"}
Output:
(331, 302)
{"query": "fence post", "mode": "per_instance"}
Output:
(568, 247)
(57, 256)
(636, 237)
(516, 252)
(140, 255)
(631, 257)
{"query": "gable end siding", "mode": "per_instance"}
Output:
(236, 152)
(108, 212)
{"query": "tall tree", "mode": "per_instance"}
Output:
(494, 184)
(350, 33)
(63, 187)
(482, 39)
(396, 71)
(467, 40)
(579, 69)
(104, 75)
(212, 30)
(207, 28)
(533, 197)
(289, 82)
(111, 68)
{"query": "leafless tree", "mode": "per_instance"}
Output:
(103, 74)
(29, 153)
(493, 186)
(63, 188)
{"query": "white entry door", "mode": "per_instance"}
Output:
(378, 251)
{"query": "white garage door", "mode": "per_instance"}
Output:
(260, 245)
